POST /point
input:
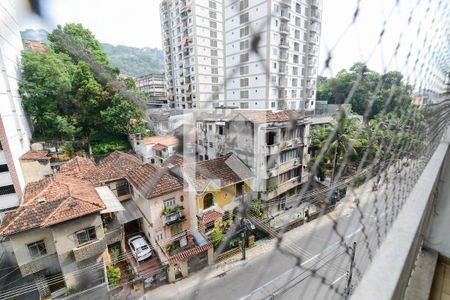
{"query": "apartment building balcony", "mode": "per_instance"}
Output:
(312, 61)
(286, 3)
(315, 15)
(185, 8)
(285, 15)
(279, 168)
(314, 27)
(173, 217)
(282, 104)
(283, 56)
(39, 264)
(90, 249)
(284, 29)
(282, 94)
(314, 39)
(284, 44)
(272, 149)
(315, 3)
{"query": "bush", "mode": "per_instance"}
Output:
(106, 146)
(113, 274)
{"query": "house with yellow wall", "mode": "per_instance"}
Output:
(218, 188)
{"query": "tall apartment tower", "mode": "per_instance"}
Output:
(282, 74)
(14, 128)
(192, 32)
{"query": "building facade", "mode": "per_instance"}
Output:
(193, 42)
(280, 73)
(267, 50)
(272, 144)
(153, 86)
(15, 131)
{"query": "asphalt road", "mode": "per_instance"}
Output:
(322, 246)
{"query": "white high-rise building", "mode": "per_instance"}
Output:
(192, 32)
(282, 75)
(14, 128)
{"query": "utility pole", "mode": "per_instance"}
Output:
(350, 273)
(243, 236)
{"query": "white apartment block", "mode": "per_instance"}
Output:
(153, 86)
(14, 128)
(192, 32)
(281, 75)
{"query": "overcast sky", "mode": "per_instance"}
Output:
(136, 23)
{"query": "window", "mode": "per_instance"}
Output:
(296, 47)
(243, 4)
(122, 189)
(212, 15)
(176, 229)
(243, 18)
(213, 34)
(214, 61)
(298, 21)
(213, 24)
(289, 175)
(4, 168)
(243, 105)
(244, 31)
(220, 130)
(244, 82)
(295, 58)
(86, 235)
(37, 249)
(294, 70)
(298, 8)
(215, 70)
(243, 70)
(270, 138)
(169, 203)
(243, 57)
(297, 34)
(212, 4)
(244, 94)
(213, 43)
(293, 93)
(215, 79)
(213, 52)
(7, 189)
(244, 45)
(294, 82)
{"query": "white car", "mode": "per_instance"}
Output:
(140, 248)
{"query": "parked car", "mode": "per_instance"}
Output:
(140, 248)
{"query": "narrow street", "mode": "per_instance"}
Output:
(268, 271)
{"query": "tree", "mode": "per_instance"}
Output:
(71, 92)
(217, 236)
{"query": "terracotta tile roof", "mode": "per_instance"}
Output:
(159, 147)
(166, 140)
(174, 160)
(36, 155)
(266, 116)
(51, 201)
(78, 167)
(210, 216)
(116, 166)
(221, 171)
(153, 181)
(189, 252)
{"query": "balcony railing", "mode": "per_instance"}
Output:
(39, 264)
(172, 218)
(90, 249)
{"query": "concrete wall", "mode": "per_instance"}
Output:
(438, 237)
(34, 170)
(19, 243)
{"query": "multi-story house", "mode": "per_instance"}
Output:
(281, 73)
(193, 43)
(272, 144)
(15, 131)
(155, 149)
(160, 197)
(217, 188)
(59, 233)
(153, 86)
(267, 50)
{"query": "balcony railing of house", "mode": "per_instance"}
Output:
(89, 249)
(38, 264)
(172, 218)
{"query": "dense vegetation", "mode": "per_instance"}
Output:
(72, 92)
(387, 91)
(135, 61)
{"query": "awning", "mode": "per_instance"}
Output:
(109, 199)
(130, 213)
